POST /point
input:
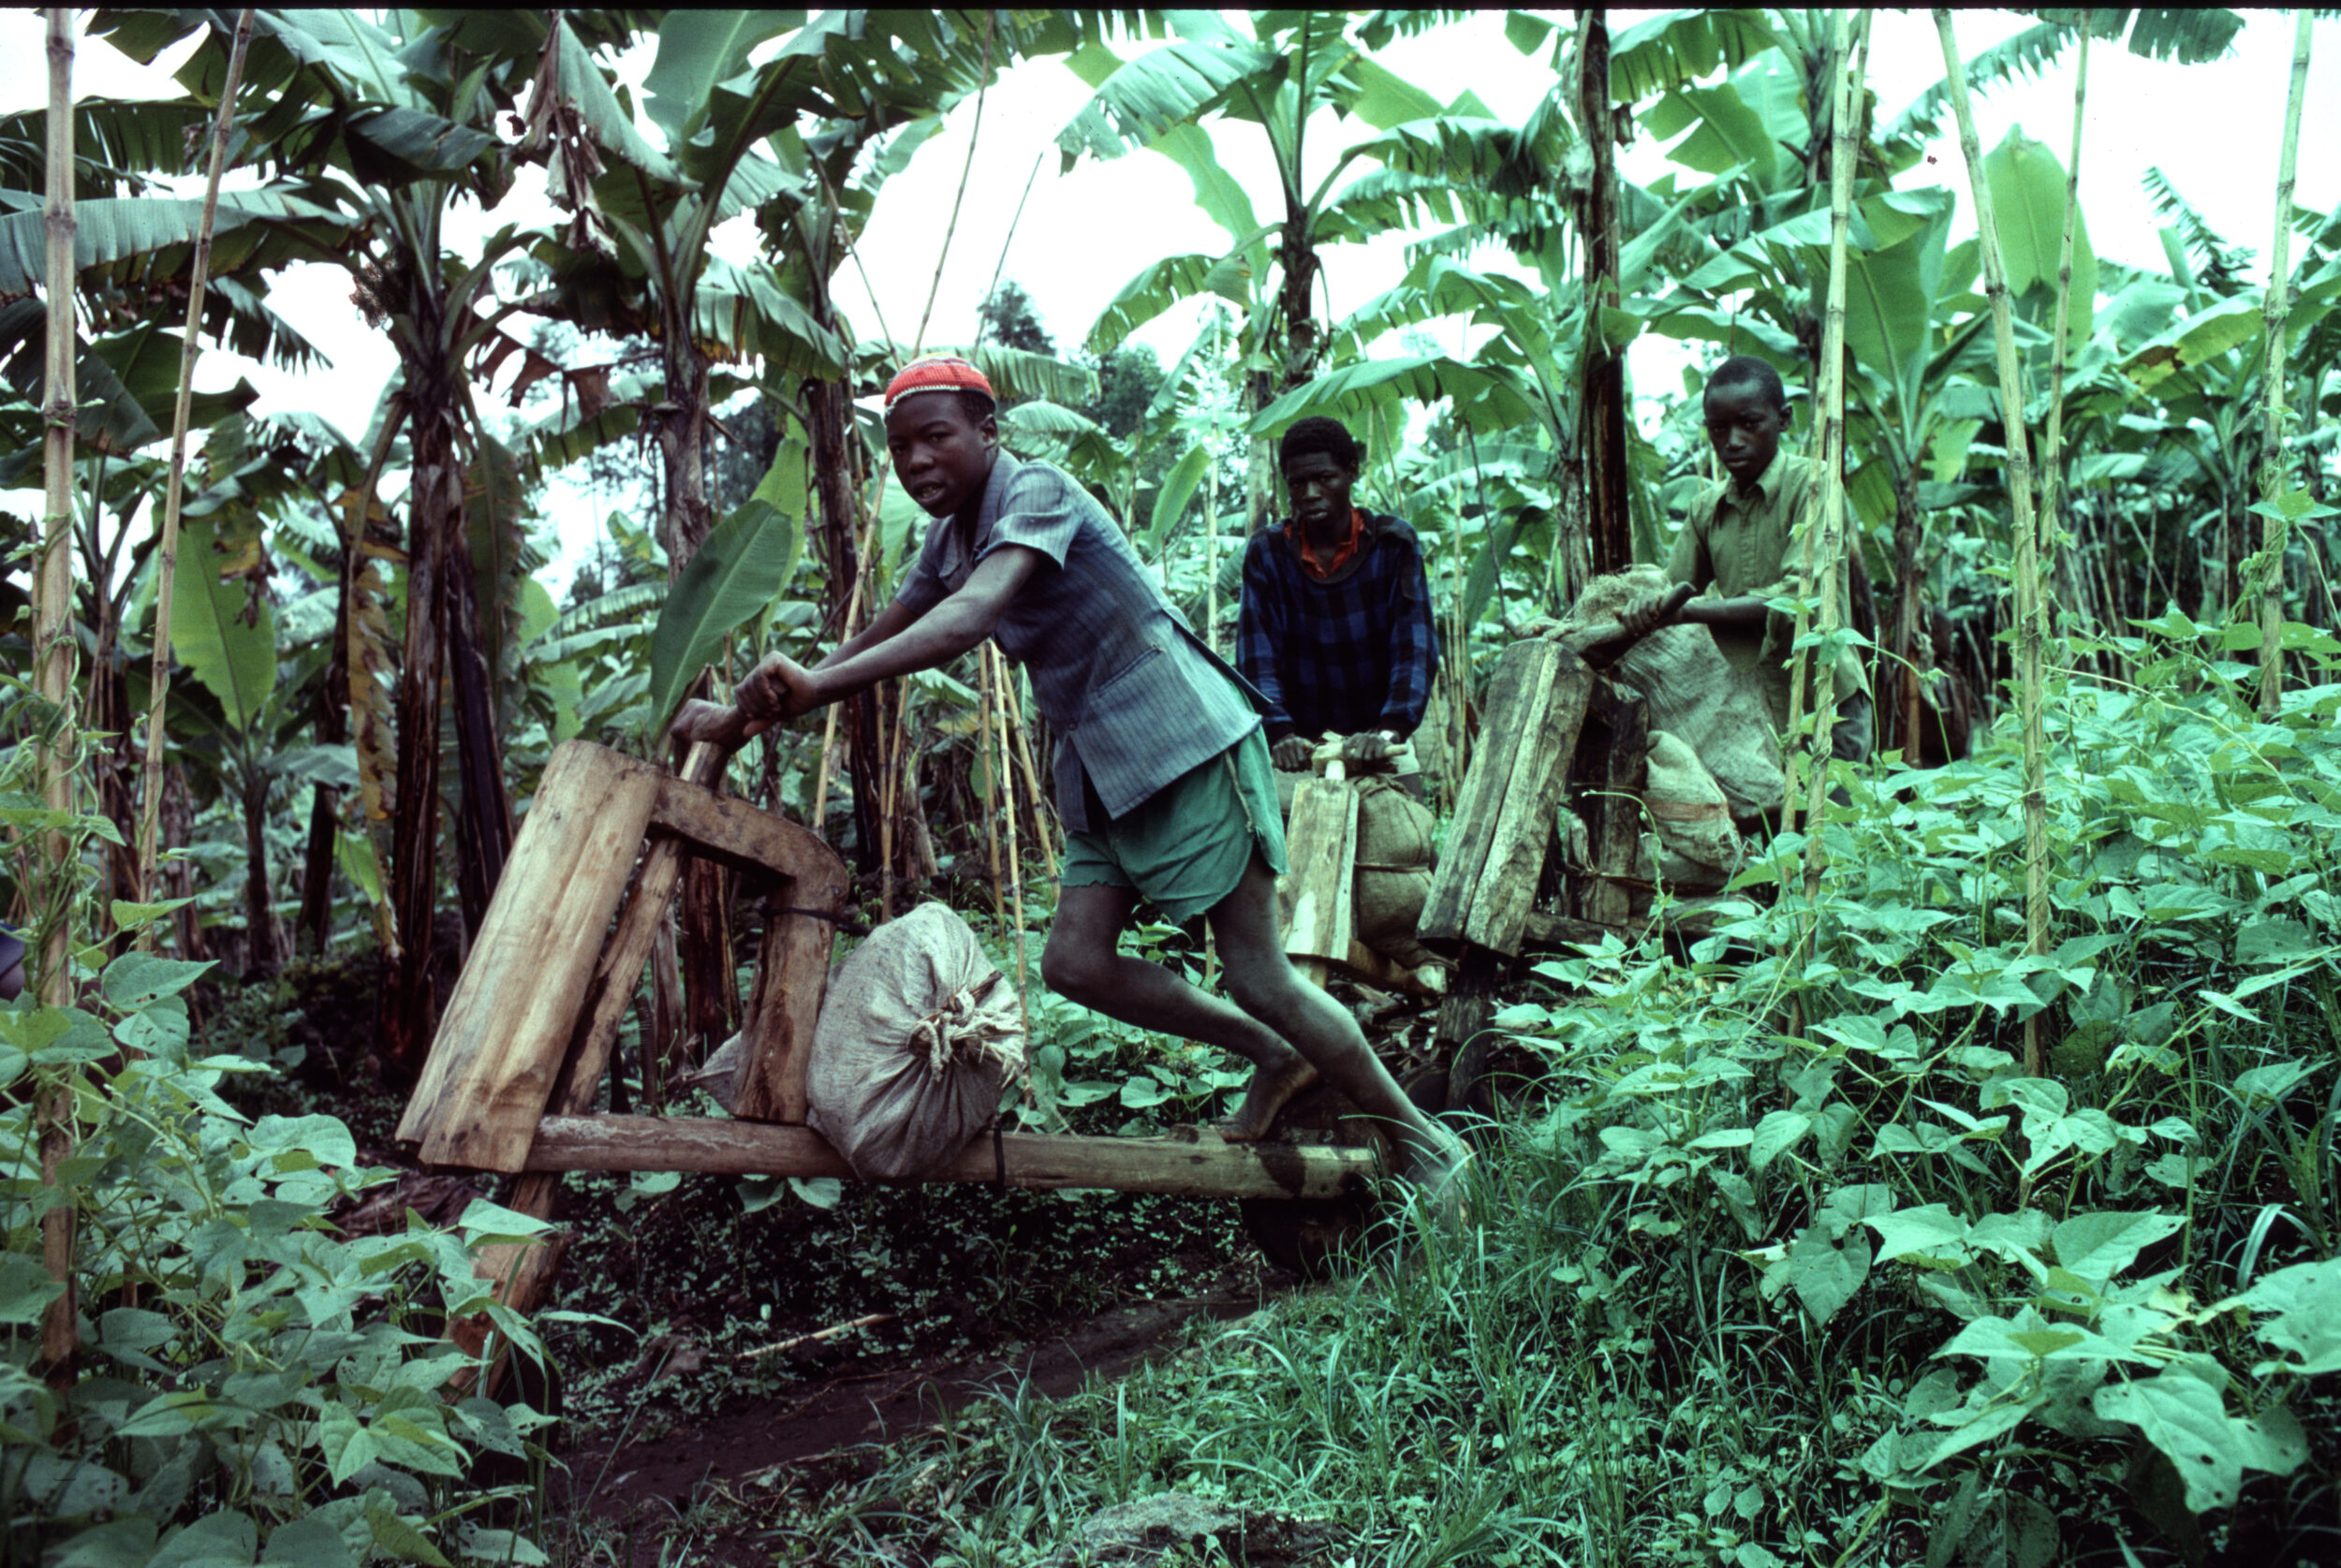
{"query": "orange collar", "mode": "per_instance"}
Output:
(1342, 552)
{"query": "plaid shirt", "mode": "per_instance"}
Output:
(1343, 656)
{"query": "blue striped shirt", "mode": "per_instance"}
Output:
(1134, 695)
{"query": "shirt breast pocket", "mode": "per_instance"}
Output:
(1146, 655)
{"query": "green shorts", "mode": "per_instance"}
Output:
(1185, 846)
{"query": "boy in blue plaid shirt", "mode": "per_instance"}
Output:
(1335, 625)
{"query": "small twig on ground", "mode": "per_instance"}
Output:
(816, 1334)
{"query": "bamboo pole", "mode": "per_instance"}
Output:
(53, 651)
(998, 665)
(990, 776)
(2029, 633)
(2278, 306)
(995, 664)
(166, 546)
(2053, 447)
(1041, 814)
(829, 727)
(1824, 536)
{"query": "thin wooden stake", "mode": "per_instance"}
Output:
(817, 1336)
(828, 727)
(2279, 307)
(166, 546)
(991, 779)
(889, 771)
(1042, 812)
(2052, 447)
(2030, 634)
(53, 651)
(1824, 535)
(998, 664)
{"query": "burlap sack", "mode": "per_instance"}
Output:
(918, 1036)
(1694, 849)
(1694, 694)
(1395, 859)
(720, 1075)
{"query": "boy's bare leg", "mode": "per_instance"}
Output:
(1265, 985)
(1082, 963)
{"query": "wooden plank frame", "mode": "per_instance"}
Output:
(536, 1016)
(1200, 1165)
(1496, 848)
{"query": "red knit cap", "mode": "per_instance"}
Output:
(936, 373)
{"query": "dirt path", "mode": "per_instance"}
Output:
(871, 1406)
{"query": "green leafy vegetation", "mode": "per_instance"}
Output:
(1787, 1261)
(1783, 1252)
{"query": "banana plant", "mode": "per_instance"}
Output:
(1282, 71)
(388, 123)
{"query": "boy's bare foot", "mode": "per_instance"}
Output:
(1272, 1087)
(1437, 1174)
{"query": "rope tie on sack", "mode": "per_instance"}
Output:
(963, 1027)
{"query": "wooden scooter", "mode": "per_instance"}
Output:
(516, 1067)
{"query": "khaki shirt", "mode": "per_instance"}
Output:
(1736, 546)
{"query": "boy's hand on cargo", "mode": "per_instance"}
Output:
(1291, 754)
(1360, 750)
(1646, 614)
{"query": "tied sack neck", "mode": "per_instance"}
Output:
(977, 1024)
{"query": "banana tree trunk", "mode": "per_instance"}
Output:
(262, 951)
(316, 864)
(2272, 470)
(826, 428)
(1907, 685)
(682, 434)
(483, 824)
(2030, 630)
(1301, 335)
(177, 876)
(1602, 404)
(684, 429)
(435, 516)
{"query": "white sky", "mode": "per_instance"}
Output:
(2213, 129)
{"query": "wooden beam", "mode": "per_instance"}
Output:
(1545, 741)
(785, 1006)
(1621, 724)
(1203, 1167)
(506, 1035)
(1479, 798)
(728, 829)
(1319, 889)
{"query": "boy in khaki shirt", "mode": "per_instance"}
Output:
(1739, 543)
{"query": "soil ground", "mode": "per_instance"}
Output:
(720, 1343)
(830, 1415)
